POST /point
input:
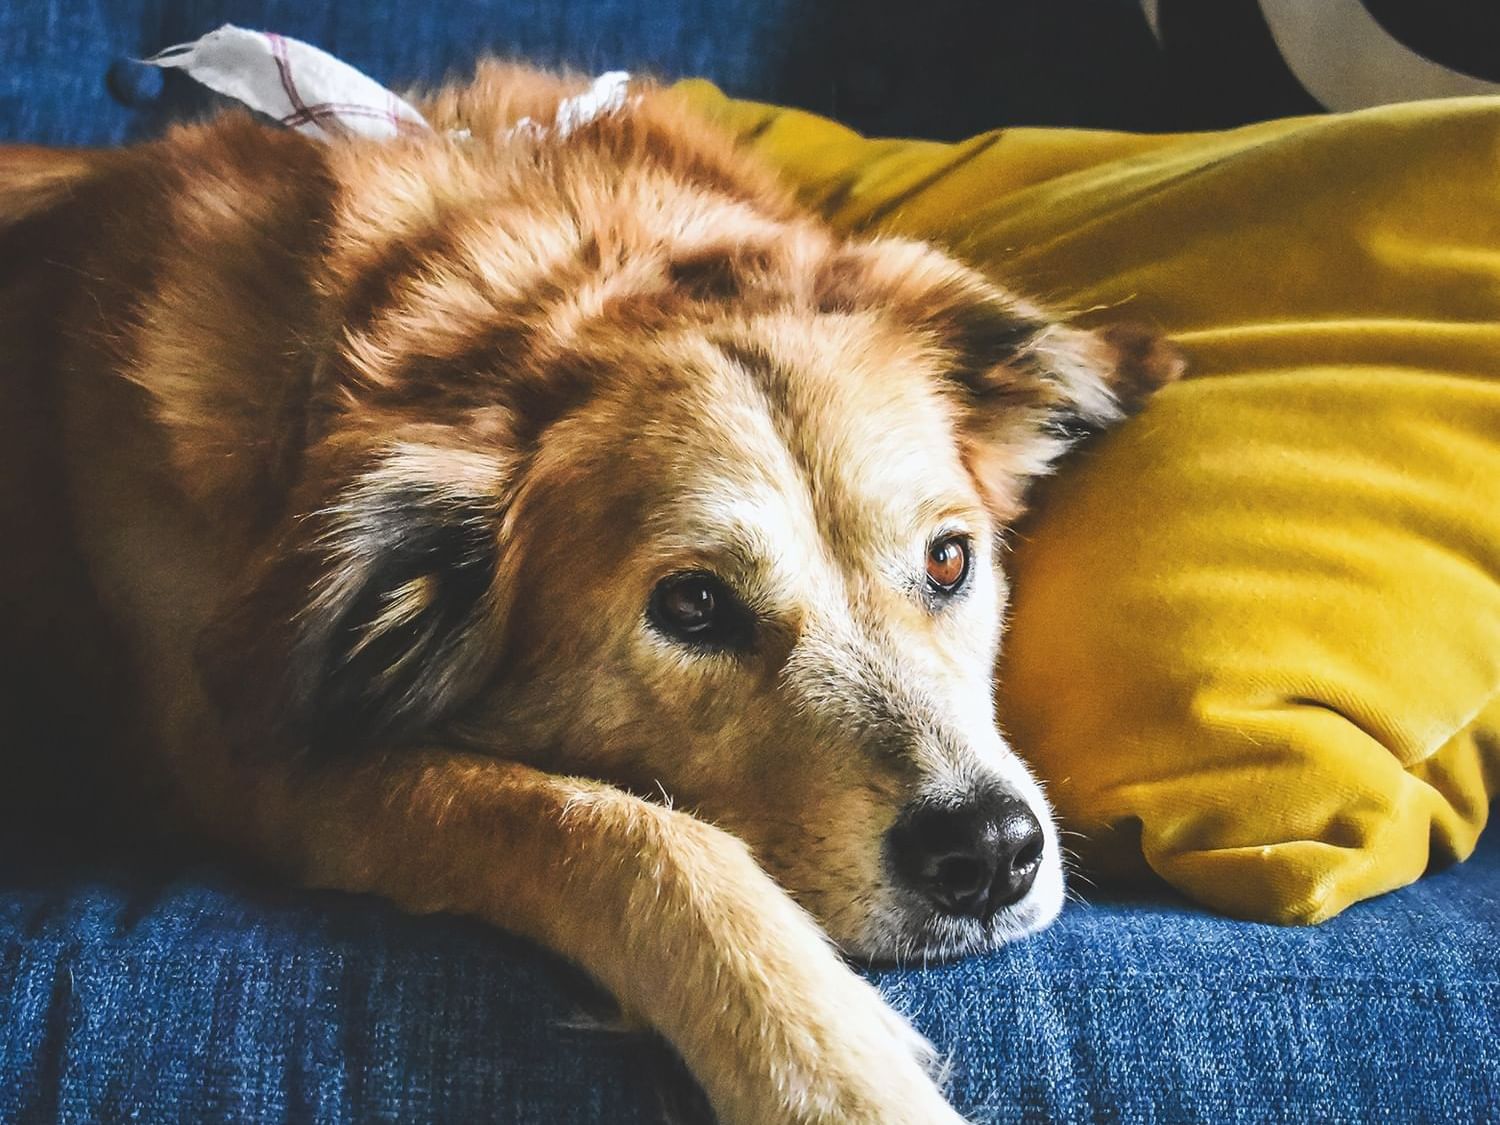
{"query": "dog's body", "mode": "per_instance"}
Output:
(415, 515)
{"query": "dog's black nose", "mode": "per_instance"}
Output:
(970, 859)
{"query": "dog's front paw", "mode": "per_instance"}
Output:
(919, 1100)
(877, 1067)
(932, 1062)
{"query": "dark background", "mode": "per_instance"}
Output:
(940, 68)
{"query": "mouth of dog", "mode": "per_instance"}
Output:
(943, 937)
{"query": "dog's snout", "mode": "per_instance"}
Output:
(971, 859)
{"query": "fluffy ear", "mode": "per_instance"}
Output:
(1028, 386)
(1026, 402)
(372, 616)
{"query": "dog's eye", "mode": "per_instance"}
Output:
(947, 564)
(698, 609)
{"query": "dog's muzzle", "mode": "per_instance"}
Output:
(970, 859)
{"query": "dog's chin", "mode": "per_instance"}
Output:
(906, 930)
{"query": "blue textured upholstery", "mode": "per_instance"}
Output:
(203, 999)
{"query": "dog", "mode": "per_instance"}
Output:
(569, 531)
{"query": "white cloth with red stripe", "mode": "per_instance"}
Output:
(311, 91)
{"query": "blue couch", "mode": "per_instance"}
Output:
(199, 994)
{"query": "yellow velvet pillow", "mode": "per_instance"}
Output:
(1256, 635)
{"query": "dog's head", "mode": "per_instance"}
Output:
(630, 474)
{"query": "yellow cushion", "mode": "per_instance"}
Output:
(1256, 637)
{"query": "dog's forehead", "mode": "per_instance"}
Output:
(831, 424)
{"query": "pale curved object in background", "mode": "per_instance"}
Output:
(1345, 59)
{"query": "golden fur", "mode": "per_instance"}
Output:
(337, 478)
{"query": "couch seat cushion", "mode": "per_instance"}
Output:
(201, 996)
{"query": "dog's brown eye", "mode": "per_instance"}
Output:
(948, 563)
(698, 609)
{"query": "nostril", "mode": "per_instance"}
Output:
(962, 877)
(1030, 855)
(940, 852)
(971, 859)
(1021, 845)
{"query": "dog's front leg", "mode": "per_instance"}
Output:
(671, 914)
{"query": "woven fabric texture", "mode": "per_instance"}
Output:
(199, 998)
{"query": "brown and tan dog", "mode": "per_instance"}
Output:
(419, 515)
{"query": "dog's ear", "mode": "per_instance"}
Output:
(1027, 386)
(373, 614)
(1030, 389)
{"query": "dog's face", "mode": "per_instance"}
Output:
(762, 580)
(715, 516)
